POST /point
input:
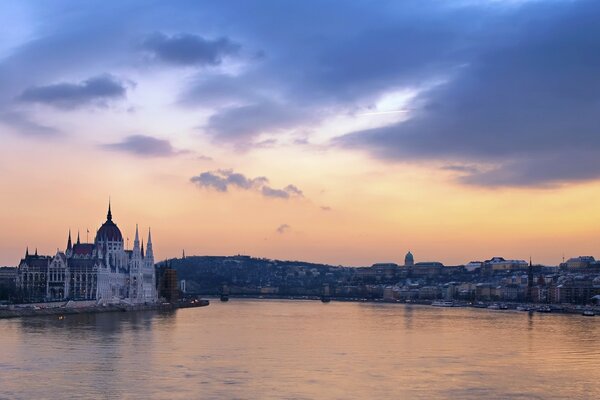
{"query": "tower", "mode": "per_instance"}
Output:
(530, 282)
(409, 260)
(69, 244)
(149, 251)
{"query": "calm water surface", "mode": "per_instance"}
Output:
(247, 349)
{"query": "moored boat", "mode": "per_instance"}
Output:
(588, 313)
(440, 303)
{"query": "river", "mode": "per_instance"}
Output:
(281, 349)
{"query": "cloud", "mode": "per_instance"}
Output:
(98, 91)
(244, 123)
(285, 193)
(283, 228)
(23, 125)
(460, 168)
(509, 88)
(189, 49)
(222, 179)
(523, 108)
(144, 146)
(325, 208)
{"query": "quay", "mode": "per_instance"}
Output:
(71, 307)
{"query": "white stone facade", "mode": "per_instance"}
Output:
(103, 271)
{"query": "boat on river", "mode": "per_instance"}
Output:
(442, 303)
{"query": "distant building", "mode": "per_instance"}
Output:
(8, 275)
(168, 287)
(409, 260)
(473, 266)
(579, 262)
(429, 269)
(380, 272)
(500, 264)
(429, 293)
(104, 270)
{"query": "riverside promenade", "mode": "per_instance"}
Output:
(83, 307)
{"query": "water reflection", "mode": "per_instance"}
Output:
(283, 349)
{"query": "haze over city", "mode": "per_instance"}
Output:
(335, 132)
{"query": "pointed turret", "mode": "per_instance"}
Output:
(69, 244)
(78, 241)
(142, 251)
(136, 241)
(529, 293)
(149, 252)
(27, 252)
(36, 251)
(109, 214)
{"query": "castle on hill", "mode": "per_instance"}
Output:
(104, 270)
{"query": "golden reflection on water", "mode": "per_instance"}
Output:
(302, 350)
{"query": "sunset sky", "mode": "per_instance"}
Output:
(325, 131)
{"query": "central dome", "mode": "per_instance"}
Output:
(109, 231)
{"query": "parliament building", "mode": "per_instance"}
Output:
(103, 271)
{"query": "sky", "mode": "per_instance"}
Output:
(339, 132)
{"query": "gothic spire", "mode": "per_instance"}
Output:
(69, 244)
(136, 241)
(142, 248)
(149, 252)
(27, 252)
(78, 241)
(109, 214)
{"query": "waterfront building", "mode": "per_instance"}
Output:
(8, 275)
(168, 287)
(103, 270)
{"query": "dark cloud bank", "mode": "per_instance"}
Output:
(509, 93)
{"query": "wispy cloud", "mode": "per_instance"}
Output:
(96, 91)
(189, 49)
(223, 179)
(144, 146)
(283, 228)
(24, 125)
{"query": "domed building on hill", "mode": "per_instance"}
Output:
(409, 260)
(104, 271)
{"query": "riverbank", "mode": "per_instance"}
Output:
(489, 305)
(71, 307)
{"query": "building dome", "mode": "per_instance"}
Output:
(409, 259)
(109, 230)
